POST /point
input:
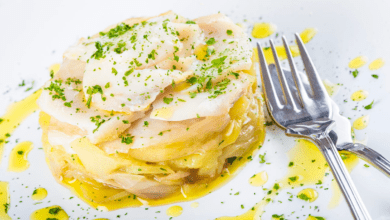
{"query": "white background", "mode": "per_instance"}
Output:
(34, 34)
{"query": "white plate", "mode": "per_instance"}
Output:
(34, 34)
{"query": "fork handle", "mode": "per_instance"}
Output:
(370, 156)
(342, 177)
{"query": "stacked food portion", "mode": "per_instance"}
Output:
(152, 106)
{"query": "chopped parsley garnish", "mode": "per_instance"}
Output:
(99, 51)
(167, 100)
(118, 30)
(369, 106)
(20, 152)
(6, 207)
(293, 178)
(128, 139)
(375, 76)
(278, 216)
(229, 32)
(55, 87)
(210, 41)
(91, 91)
(121, 47)
(262, 160)
(54, 211)
(98, 122)
(366, 165)
(68, 104)
(355, 73)
(236, 75)
(304, 197)
(146, 123)
(114, 71)
(51, 74)
(190, 22)
(276, 186)
(291, 164)
(218, 62)
(35, 192)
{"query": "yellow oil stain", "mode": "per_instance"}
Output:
(308, 34)
(259, 179)
(359, 95)
(4, 201)
(15, 114)
(331, 88)
(376, 64)
(308, 194)
(174, 211)
(310, 217)
(195, 205)
(39, 194)
(52, 212)
(55, 67)
(357, 62)
(307, 166)
(361, 122)
(263, 30)
(18, 159)
(350, 161)
(280, 51)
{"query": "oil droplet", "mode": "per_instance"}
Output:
(259, 179)
(359, 95)
(361, 122)
(308, 34)
(358, 62)
(39, 194)
(376, 64)
(4, 201)
(195, 205)
(201, 52)
(15, 114)
(18, 159)
(174, 211)
(310, 217)
(53, 212)
(331, 88)
(263, 30)
(308, 194)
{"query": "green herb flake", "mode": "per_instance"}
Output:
(355, 73)
(369, 106)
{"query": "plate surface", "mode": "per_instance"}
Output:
(35, 34)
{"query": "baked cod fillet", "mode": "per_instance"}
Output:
(151, 108)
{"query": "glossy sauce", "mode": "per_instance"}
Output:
(259, 179)
(53, 212)
(357, 62)
(39, 194)
(18, 159)
(4, 201)
(361, 122)
(331, 88)
(376, 64)
(174, 211)
(307, 166)
(359, 95)
(263, 30)
(15, 114)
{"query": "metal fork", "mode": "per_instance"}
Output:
(307, 114)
